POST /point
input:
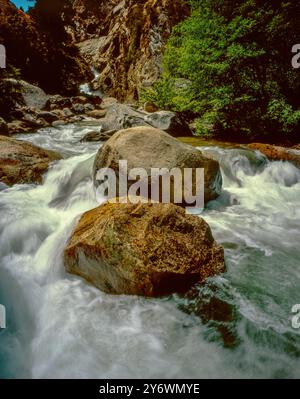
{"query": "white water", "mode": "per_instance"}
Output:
(60, 327)
(86, 89)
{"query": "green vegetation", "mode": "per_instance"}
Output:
(229, 65)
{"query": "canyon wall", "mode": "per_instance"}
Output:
(124, 40)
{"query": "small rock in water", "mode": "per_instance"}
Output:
(98, 136)
(216, 310)
(59, 123)
(97, 113)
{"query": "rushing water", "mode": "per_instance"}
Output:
(60, 327)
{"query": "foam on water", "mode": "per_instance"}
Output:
(60, 327)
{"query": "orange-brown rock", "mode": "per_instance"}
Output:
(22, 162)
(276, 153)
(147, 249)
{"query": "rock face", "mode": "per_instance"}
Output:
(124, 40)
(144, 249)
(3, 127)
(144, 147)
(52, 62)
(276, 153)
(169, 122)
(21, 162)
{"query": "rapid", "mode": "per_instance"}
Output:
(58, 326)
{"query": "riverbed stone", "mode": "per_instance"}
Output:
(169, 122)
(148, 249)
(32, 96)
(98, 136)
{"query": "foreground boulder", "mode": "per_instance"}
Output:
(276, 153)
(22, 162)
(143, 249)
(145, 147)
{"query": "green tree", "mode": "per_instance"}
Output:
(235, 57)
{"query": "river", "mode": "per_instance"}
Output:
(60, 327)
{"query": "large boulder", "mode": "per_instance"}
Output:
(116, 116)
(276, 153)
(32, 96)
(143, 249)
(146, 147)
(169, 122)
(22, 162)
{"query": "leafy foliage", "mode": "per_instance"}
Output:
(235, 57)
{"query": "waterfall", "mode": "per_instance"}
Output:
(86, 89)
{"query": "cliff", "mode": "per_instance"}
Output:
(55, 65)
(124, 40)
